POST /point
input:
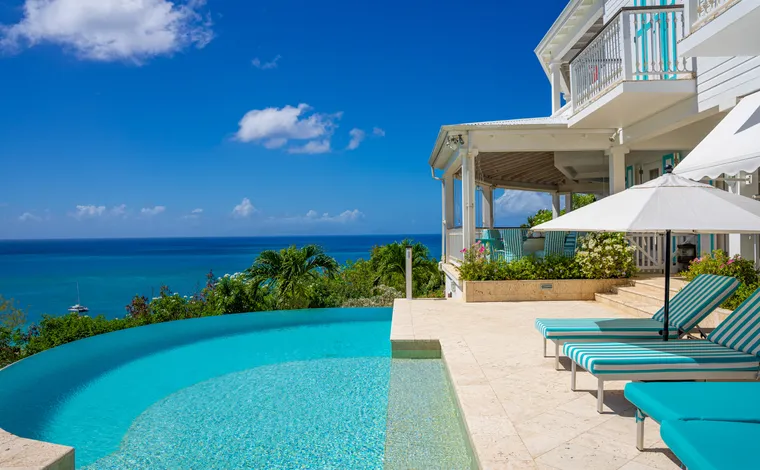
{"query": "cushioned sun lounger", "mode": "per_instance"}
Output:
(721, 401)
(713, 445)
(730, 352)
(687, 308)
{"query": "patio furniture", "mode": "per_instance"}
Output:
(670, 401)
(713, 444)
(730, 352)
(512, 240)
(571, 244)
(687, 308)
(554, 244)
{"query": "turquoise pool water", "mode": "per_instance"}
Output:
(304, 389)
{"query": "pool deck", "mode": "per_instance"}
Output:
(518, 410)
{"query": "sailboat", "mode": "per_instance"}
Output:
(78, 308)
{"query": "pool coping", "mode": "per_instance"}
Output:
(19, 452)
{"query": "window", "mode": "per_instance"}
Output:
(654, 173)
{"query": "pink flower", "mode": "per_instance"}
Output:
(482, 249)
(463, 250)
(731, 261)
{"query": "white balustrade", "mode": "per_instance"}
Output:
(454, 245)
(707, 10)
(637, 44)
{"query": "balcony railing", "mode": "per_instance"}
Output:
(639, 43)
(707, 10)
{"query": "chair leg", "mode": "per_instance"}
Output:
(572, 376)
(545, 347)
(556, 355)
(640, 429)
(600, 396)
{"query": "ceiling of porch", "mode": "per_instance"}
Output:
(522, 170)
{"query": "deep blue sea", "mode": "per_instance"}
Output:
(41, 275)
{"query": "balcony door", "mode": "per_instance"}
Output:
(656, 40)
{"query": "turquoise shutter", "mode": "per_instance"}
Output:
(629, 181)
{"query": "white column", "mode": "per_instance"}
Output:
(556, 80)
(568, 202)
(468, 198)
(617, 168)
(449, 218)
(555, 205)
(487, 206)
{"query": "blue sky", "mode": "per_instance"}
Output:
(217, 118)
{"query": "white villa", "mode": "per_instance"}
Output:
(635, 86)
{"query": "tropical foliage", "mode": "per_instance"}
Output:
(601, 256)
(545, 215)
(718, 262)
(290, 278)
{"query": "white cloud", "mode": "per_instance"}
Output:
(357, 136)
(514, 202)
(266, 65)
(197, 211)
(275, 127)
(312, 147)
(85, 212)
(109, 30)
(29, 217)
(119, 211)
(244, 209)
(151, 211)
(378, 132)
(345, 216)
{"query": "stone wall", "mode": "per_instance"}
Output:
(516, 291)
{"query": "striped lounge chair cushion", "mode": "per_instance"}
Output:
(652, 357)
(608, 328)
(741, 330)
(695, 301)
(687, 308)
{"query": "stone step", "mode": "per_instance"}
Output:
(637, 294)
(658, 284)
(633, 307)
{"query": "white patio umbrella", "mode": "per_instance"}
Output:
(667, 204)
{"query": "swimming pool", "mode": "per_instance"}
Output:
(297, 389)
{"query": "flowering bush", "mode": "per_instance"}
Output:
(477, 266)
(606, 256)
(718, 262)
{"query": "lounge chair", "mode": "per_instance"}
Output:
(713, 445)
(670, 401)
(687, 308)
(730, 352)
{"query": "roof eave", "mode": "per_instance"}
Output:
(561, 20)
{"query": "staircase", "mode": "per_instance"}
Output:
(646, 295)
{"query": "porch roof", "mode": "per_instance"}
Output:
(519, 170)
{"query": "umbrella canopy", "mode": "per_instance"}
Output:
(733, 146)
(668, 203)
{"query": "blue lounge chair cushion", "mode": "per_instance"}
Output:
(609, 328)
(656, 357)
(724, 401)
(713, 445)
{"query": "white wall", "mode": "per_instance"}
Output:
(720, 80)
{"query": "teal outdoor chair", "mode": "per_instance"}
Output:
(571, 244)
(713, 444)
(554, 244)
(512, 241)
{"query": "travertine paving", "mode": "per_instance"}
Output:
(519, 411)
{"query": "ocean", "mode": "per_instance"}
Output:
(42, 275)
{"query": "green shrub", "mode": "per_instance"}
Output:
(718, 262)
(477, 266)
(605, 256)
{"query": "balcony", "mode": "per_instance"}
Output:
(722, 28)
(631, 69)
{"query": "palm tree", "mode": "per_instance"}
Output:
(289, 272)
(390, 262)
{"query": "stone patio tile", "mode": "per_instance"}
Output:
(571, 456)
(550, 429)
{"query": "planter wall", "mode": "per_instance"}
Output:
(517, 291)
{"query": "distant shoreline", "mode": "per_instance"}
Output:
(247, 237)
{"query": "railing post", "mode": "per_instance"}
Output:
(626, 45)
(409, 273)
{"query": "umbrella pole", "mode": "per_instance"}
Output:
(666, 305)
